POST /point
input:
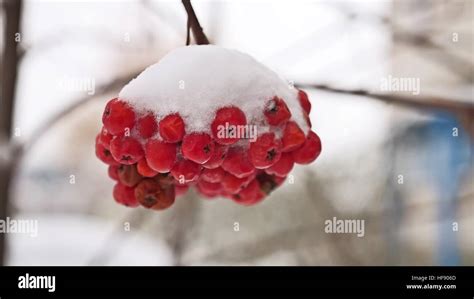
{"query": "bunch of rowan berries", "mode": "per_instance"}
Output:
(154, 159)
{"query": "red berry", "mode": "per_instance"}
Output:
(207, 194)
(265, 151)
(118, 116)
(113, 172)
(181, 189)
(128, 175)
(146, 125)
(225, 127)
(103, 153)
(105, 137)
(213, 175)
(197, 147)
(283, 166)
(232, 184)
(144, 169)
(293, 137)
(160, 155)
(151, 194)
(220, 152)
(308, 120)
(268, 183)
(276, 112)
(249, 195)
(164, 179)
(209, 190)
(309, 151)
(279, 180)
(172, 128)
(126, 150)
(124, 195)
(304, 101)
(185, 171)
(237, 163)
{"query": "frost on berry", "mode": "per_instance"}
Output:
(236, 135)
(265, 151)
(126, 150)
(276, 112)
(197, 147)
(160, 155)
(118, 116)
(172, 128)
(309, 151)
(226, 125)
(151, 195)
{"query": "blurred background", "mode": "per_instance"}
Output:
(398, 158)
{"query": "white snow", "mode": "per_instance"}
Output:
(197, 80)
(68, 239)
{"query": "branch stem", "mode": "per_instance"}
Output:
(198, 33)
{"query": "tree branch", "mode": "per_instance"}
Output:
(188, 32)
(424, 102)
(463, 110)
(198, 33)
(9, 70)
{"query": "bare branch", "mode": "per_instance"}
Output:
(463, 110)
(9, 71)
(198, 33)
(424, 102)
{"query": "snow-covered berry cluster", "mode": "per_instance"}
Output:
(207, 117)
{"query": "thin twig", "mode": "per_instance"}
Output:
(198, 33)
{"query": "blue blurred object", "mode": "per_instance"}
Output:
(446, 159)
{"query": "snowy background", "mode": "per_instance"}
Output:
(367, 144)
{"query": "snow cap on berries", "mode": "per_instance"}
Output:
(196, 81)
